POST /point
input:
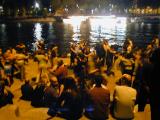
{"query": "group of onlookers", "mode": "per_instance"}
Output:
(85, 91)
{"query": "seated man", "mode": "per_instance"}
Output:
(124, 99)
(51, 93)
(38, 95)
(27, 91)
(98, 101)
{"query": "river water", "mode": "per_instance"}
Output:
(77, 28)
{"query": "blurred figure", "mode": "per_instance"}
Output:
(127, 47)
(109, 56)
(1, 65)
(154, 85)
(9, 58)
(20, 62)
(27, 91)
(6, 97)
(51, 92)
(155, 42)
(42, 65)
(73, 55)
(53, 55)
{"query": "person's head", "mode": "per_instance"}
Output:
(105, 41)
(8, 51)
(98, 79)
(149, 46)
(137, 53)
(60, 62)
(125, 80)
(155, 57)
(53, 81)
(81, 55)
(155, 41)
(26, 81)
(69, 83)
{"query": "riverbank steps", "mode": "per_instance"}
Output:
(22, 110)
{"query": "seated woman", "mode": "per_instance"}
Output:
(5, 96)
(69, 103)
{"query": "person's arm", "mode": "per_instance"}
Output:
(74, 51)
(61, 88)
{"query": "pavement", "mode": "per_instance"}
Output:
(22, 110)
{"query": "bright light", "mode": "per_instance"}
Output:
(19, 25)
(50, 9)
(99, 27)
(38, 31)
(3, 28)
(1, 8)
(75, 22)
(36, 5)
(37, 35)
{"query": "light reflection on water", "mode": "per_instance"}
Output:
(97, 28)
(93, 29)
(38, 31)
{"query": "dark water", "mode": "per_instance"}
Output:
(92, 30)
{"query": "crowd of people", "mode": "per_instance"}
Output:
(85, 92)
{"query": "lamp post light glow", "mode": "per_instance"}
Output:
(50, 10)
(36, 5)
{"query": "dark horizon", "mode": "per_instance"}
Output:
(124, 3)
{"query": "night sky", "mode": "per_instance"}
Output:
(141, 3)
(154, 3)
(125, 3)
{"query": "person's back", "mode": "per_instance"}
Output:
(124, 102)
(27, 91)
(124, 99)
(72, 102)
(20, 59)
(38, 94)
(51, 93)
(99, 102)
(6, 97)
(42, 60)
(100, 99)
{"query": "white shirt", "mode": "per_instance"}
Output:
(124, 102)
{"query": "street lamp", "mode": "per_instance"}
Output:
(36, 5)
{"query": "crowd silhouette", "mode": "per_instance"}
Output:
(85, 92)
